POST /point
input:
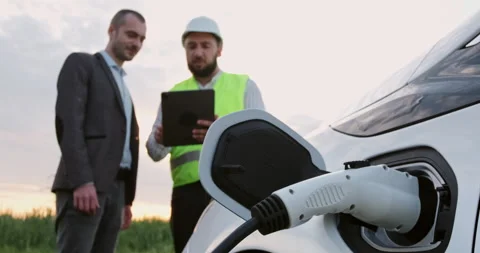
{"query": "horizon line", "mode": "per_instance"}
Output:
(44, 212)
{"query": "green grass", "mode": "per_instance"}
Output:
(34, 233)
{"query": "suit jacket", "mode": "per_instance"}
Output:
(90, 127)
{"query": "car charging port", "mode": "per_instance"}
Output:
(427, 233)
(426, 221)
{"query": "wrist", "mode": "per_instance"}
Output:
(84, 184)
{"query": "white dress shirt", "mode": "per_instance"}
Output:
(253, 100)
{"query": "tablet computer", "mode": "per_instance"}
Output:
(180, 112)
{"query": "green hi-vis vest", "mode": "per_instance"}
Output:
(229, 97)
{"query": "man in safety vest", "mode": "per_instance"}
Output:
(233, 92)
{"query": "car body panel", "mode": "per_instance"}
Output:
(220, 219)
(456, 136)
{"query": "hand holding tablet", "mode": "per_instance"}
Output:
(199, 133)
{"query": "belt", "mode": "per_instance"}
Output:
(123, 174)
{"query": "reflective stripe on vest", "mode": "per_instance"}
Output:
(229, 97)
(184, 158)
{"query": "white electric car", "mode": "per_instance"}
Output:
(400, 172)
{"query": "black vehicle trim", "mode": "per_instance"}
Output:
(476, 227)
(337, 129)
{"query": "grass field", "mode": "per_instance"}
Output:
(34, 233)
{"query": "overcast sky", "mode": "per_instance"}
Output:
(309, 58)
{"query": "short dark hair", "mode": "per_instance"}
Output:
(119, 17)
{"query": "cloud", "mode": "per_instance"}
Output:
(31, 58)
(27, 99)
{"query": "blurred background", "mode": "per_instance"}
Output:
(310, 58)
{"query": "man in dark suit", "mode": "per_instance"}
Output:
(97, 133)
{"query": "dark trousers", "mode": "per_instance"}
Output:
(188, 202)
(78, 232)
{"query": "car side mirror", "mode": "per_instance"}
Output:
(247, 155)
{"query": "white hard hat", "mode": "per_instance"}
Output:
(202, 24)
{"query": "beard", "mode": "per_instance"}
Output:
(119, 51)
(205, 71)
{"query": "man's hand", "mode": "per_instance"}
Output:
(199, 134)
(85, 199)
(159, 134)
(127, 217)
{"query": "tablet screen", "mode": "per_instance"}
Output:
(181, 110)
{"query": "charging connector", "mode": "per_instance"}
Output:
(376, 195)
